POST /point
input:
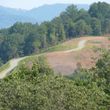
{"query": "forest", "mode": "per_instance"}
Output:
(40, 88)
(24, 39)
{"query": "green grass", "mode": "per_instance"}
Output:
(25, 62)
(61, 47)
(108, 37)
(91, 44)
(5, 66)
(95, 42)
(30, 58)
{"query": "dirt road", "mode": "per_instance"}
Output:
(14, 62)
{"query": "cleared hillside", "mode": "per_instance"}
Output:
(68, 56)
(67, 63)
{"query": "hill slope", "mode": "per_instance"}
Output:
(66, 60)
(67, 63)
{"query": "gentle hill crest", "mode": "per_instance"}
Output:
(68, 54)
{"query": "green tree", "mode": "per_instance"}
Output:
(59, 29)
(82, 28)
(84, 15)
(72, 12)
(1, 62)
(100, 10)
(96, 26)
(38, 88)
(106, 26)
(103, 67)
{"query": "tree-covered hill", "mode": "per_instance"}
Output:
(23, 39)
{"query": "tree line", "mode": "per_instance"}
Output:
(25, 38)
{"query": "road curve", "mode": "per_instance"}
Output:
(14, 62)
(80, 46)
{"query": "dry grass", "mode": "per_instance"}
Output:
(66, 63)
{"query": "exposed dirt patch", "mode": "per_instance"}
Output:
(66, 63)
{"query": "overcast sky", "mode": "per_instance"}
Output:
(28, 4)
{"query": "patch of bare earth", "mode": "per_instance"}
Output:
(67, 63)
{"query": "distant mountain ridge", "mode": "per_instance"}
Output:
(9, 16)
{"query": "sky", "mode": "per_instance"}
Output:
(29, 4)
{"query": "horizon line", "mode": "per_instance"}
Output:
(44, 5)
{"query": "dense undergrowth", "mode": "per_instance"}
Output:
(38, 88)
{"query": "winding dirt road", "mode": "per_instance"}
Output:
(14, 62)
(80, 46)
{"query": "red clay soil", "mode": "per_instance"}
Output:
(67, 63)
